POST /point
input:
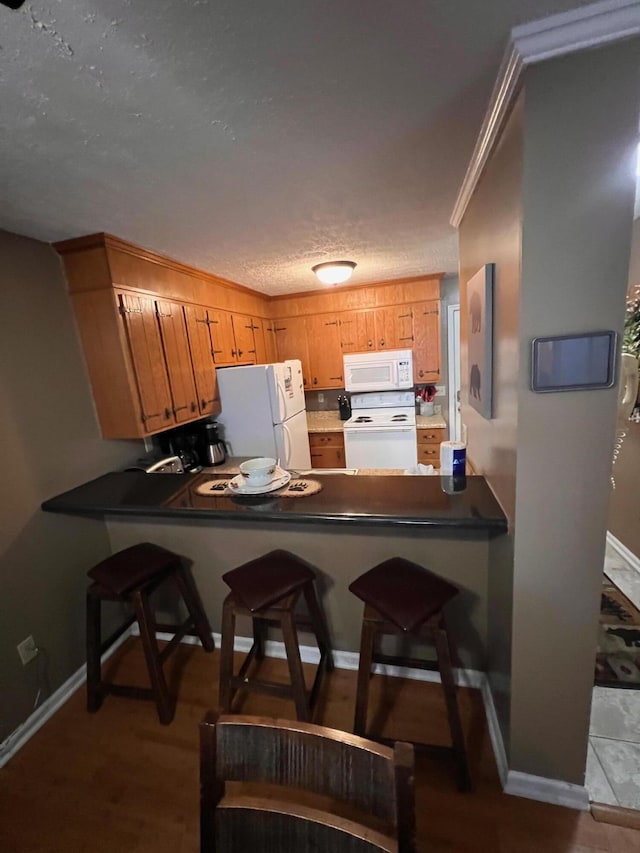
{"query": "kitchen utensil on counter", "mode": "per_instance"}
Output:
(154, 464)
(344, 406)
(212, 448)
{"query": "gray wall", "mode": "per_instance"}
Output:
(491, 233)
(51, 443)
(548, 456)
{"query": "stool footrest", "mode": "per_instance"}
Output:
(273, 687)
(409, 663)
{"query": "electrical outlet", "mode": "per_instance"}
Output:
(27, 650)
(320, 397)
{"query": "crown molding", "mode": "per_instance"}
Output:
(548, 38)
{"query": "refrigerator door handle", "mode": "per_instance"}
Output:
(282, 400)
(287, 445)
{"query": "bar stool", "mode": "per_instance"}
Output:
(403, 598)
(267, 589)
(131, 576)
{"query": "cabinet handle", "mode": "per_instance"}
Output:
(205, 403)
(402, 316)
(167, 414)
(332, 323)
(421, 373)
(179, 409)
(315, 380)
(239, 353)
(144, 418)
(233, 353)
(194, 406)
(410, 338)
(370, 344)
(382, 343)
(335, 377)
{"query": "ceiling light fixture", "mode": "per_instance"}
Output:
(334, 272)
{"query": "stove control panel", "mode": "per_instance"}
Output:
(382, 399)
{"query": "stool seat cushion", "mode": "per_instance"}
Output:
(403, 592)
(267, 579)
(132, 567)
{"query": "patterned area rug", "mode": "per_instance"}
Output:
(618, 655)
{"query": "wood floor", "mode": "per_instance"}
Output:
(119, 782)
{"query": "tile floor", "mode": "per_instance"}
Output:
(613, 758)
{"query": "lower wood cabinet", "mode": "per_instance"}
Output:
(429, 446)
(327, 449)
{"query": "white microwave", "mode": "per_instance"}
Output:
(378, 371)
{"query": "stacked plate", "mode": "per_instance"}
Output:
(238, 485)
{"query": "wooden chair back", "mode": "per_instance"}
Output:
(278, 785)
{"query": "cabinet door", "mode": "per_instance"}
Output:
(386, 328)
(204, 370)
(357, 331)
(426, 341)
(327, 457)
(259, 341)
(291, 341)
(269, 330)
(222, 339)
(147, 358)
(245, 347)
(178, 358)
(325, 352)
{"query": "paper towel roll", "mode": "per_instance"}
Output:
(453, 458)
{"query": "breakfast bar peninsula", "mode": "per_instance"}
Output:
(341, 524)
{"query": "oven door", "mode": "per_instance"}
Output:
(379, 371)
(380, 447)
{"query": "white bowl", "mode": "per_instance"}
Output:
(259, 471)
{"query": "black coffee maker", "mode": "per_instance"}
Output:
(211, 448)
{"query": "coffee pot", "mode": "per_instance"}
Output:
(213, 448)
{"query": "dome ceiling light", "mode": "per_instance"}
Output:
(334, 272)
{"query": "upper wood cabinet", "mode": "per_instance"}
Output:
(426, 341)
(245, 346)
(204, 371)
(325, 352)
(178, 360)
(147, 365)
(291, 342)
(357, 331)
(264, 337)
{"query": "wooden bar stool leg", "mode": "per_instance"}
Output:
(146, 622)
(259, 634)
(192, 599)
(290, 636)
(226, 655)
(453, 713)
(367, 640)
(319, 624)
(93, 640)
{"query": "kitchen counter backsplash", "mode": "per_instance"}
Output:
(328, 403)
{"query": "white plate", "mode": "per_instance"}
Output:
(238, 484)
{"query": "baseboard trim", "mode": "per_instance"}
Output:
(547, 790)
(616, 815)
(39, 717)
(513, 782)
(627, 555)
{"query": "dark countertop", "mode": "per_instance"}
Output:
(361, 500)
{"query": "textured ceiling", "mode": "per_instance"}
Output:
(252, 139)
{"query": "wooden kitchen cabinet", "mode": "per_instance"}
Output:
(264, 340)
(426, 341)
(327, 449)
(204, 371)
(291, 342)
(148, 364)
(325, 352)
(428, 443)
(357, 331)
(175, 343)
(245, 346)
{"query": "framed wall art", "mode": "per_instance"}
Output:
(480, 340)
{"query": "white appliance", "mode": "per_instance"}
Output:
(263, 412)
(378, 371)
(381, 432)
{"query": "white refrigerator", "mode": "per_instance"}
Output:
(263, 412)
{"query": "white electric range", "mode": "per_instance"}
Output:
(381, 432)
